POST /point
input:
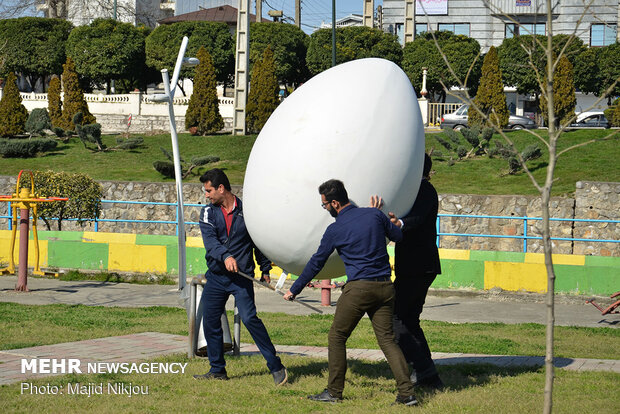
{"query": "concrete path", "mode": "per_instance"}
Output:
(442, 305)
(137, 347)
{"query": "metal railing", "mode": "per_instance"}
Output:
(527, 234)
(525, 237)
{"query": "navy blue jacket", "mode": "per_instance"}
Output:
(358, 235)
(238, 244)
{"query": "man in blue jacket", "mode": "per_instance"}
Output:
(358, 234)
(230, 249)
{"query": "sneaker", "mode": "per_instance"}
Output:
(408, 401)
(433, 382)
(325, 396)
(212, 375)
(280, 377)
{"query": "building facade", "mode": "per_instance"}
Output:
(490, 22)
(83, 12)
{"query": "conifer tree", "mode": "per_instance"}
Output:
(264, 88)
(74, 101)
(490, 98)
(564, 100)
(54, 103)
(203, 111)
(13, 115)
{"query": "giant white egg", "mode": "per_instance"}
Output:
(358, 122)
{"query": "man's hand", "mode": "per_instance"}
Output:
(394, 219)
(376, 202)
(231, 264)
(288, 296)
(265, 278)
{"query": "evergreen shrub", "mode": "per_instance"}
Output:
(74, 101)
(54, 103)
(25, 148)
(490, 98)
(13, 115)
(203, 112)
(38, 120)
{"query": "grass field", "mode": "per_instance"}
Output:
(25, 325)
(370, 387)
(596, 162)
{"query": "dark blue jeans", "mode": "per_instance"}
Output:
(214, 296)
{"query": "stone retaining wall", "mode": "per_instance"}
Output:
(593, 200)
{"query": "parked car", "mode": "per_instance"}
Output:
(458, 120)
(591, 120)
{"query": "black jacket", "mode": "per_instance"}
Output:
(417, 252)
(238, 244)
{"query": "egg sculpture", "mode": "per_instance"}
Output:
(358, 122)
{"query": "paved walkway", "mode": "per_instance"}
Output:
(454, 306)
(138, 347)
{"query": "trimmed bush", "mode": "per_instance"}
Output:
(74, 101)
(263, 96)
(203, 111)
(25, 148)
(613, 113)
(165, 168)
(564, 100)
(490, 98)
(88, 133)
(54, 103)
(13, 115)
(83, 192)
(38, 120)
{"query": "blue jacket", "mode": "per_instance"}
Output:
(358, 235)
(238, 244)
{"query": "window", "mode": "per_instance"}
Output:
(420, 28)
(523, 29)
(399, 30)
(603, 34)
(456, 28)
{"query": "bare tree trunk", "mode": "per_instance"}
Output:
(545, 197)
(550, 299)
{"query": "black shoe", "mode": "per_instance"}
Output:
(325, 396)
(280, 377)
(212, 375)
(433, 382)
(408, 401)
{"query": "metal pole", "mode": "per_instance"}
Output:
(236, 331)
(333, 33)
(114, 9)
(177, 164)
(193, 331)
(22, 281)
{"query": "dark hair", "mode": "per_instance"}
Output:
(334, 190)
(216, 177)
(428, 164)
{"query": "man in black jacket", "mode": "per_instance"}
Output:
(416, 265)
(230, 249)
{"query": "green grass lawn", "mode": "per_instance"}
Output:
(596, 162)
(370, 387)
(27, 325)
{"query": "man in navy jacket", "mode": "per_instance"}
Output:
(358, 235)
(230, 249)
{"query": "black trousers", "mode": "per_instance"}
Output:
(410, 295)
